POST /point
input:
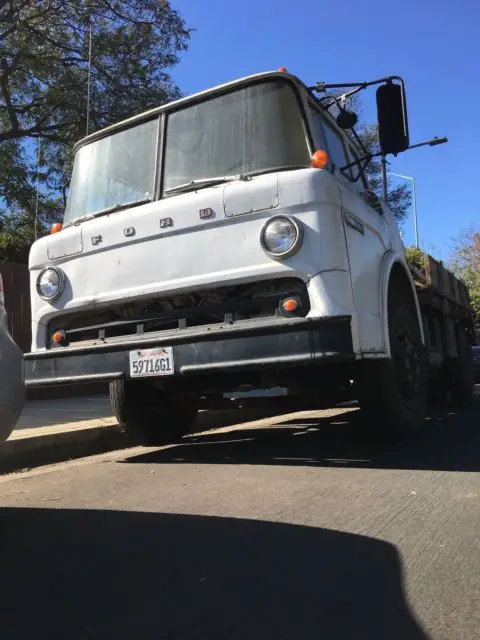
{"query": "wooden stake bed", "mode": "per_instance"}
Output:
(439, 288)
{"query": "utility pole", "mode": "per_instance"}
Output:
(89, 73)
(384, 179)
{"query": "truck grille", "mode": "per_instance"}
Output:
(208, 307)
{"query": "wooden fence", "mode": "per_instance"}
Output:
(16, 285)
(17, 302)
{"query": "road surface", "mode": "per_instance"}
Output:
(294, 531)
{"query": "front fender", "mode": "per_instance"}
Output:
(388, 261)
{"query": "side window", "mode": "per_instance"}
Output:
(367, 194)
(325, 137)
(317, 131)
(335, 147)
(355, 170)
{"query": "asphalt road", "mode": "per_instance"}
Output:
(300, 530)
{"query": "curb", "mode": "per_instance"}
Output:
(29, 448)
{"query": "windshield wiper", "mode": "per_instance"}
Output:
(283, 167)
(211, 182)
(201, 183)
(112, 209)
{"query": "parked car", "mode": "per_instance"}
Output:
(12, 388)
(476, 362)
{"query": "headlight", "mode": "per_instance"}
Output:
(50, 283)
(281, 237)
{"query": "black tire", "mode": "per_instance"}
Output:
(460, 370)
(149, 415)
(393, 393)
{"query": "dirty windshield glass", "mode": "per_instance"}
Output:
(256, 128)
(113, 171)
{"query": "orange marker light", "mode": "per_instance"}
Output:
(320, 159)
(283, 70)
(58, 337)
(55, 228)
(290, 305)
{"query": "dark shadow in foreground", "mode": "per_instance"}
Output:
(110, 574)
(450, 441)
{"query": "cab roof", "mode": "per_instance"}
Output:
(185, 101)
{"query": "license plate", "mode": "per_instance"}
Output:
(151, 363)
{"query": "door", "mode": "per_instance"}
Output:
(366, 233)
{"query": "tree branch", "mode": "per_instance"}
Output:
(37, 131)
(6, 96)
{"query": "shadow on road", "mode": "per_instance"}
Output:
(111, 574)
(450, 441)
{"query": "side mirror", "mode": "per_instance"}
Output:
(392, 118)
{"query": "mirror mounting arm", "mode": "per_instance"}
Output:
(370, 156)
(321, 87)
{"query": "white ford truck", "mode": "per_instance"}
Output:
(230, 239)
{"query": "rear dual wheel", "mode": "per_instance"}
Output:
(460, 370)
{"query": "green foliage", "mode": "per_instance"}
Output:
(465, 264)
(399, 197)
(44, 72)
(416, 257)
(16, 236)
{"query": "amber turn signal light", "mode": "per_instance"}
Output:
(320, 159)
(58, 337)
(55, 228)
(290, 305)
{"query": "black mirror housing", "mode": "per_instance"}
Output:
(392, 118)
(347, 119)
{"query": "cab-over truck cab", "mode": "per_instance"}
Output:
(226, 239)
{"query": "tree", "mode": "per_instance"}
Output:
(465, 263)
(399, 197)
(45, 48)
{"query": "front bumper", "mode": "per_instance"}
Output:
(249, 346)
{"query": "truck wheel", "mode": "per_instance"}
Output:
(460, 370)
(148, 414)
(393, 393)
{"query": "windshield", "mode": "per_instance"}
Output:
(113, 171)
(253, 129)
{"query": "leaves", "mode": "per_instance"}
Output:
(399, 197)
(416, 257)
(44, 75)
(465, 264)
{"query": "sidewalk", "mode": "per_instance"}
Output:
(53, 430)
(47, 413)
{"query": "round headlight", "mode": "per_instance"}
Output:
(281, 237)
(50, 283)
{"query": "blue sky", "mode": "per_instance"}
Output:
(433, 44)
